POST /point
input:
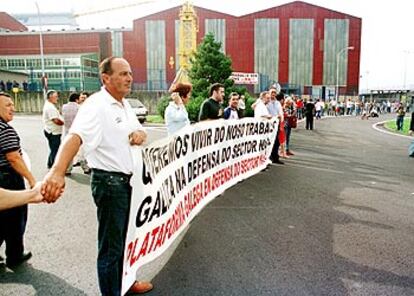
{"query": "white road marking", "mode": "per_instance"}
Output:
(375, 126)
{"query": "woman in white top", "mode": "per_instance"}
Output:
(176, 116)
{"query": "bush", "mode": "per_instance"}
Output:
(162, 105)
(193, 108)
(249, 112)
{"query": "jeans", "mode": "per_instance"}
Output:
(300, 113)
(54, 143)
(400, 123)
(288, 131)
(112, 195)
(12, 221)
(274, 155)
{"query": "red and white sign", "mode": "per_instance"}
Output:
(176, 177)
(245, 78)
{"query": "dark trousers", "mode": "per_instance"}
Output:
(400, 123)
(309, 121)
(12, 221)
(112, 195)
(274, 155)
(54, 143)
(288, 131)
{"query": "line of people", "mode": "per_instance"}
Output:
(106, 127)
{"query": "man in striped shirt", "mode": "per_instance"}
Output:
(12, 171)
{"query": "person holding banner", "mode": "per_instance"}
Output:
(176, 116)
(232, 111)
(260, 110)
(107, 127)
(211, 108)
(275, 108)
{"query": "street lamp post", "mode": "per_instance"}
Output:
(42, 58)
(406, 53)
(337, 69)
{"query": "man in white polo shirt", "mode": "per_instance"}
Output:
(106, 127)
(260, 110)
(52, 125)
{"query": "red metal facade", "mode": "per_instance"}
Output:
(240, 40)
(56, 43)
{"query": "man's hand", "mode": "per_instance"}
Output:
(410, 133)
(137, 137)
(53, 186)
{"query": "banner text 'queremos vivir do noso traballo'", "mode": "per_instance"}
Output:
(176, 177)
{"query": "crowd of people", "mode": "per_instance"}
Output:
(98, 132)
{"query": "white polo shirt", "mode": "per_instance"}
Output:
(104, 125)
(49, 113)
(261, 110)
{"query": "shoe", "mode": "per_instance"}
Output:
(17, 262)
(68, 173)
(289, 153)
(87, 172)
(76, 164)
(278, 162)
(140, 288)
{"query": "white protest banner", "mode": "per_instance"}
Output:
(244, 78)
(178, 176)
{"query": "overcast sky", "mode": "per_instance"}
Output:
(387, 41)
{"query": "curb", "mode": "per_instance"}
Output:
(381, 130)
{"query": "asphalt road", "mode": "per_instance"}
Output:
(336, 219)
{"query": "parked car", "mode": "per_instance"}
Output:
(140, 110)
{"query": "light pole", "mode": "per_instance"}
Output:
(337, 69)
(42, 58)
(406, 53)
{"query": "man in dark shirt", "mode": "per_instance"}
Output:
(12, 171)
(309, 113)
(212, 108)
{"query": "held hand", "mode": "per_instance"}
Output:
(37, 196)
(410, 133)
(52, 187)
(32, 183)
(176, 98)
(137, 137)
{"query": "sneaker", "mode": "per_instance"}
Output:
(289, 153)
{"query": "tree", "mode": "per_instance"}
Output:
(210, 65)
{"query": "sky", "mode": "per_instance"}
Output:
(387, 51)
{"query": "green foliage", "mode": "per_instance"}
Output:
(249, 112)
(193, 108)
(210, 65)
(162, 105)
